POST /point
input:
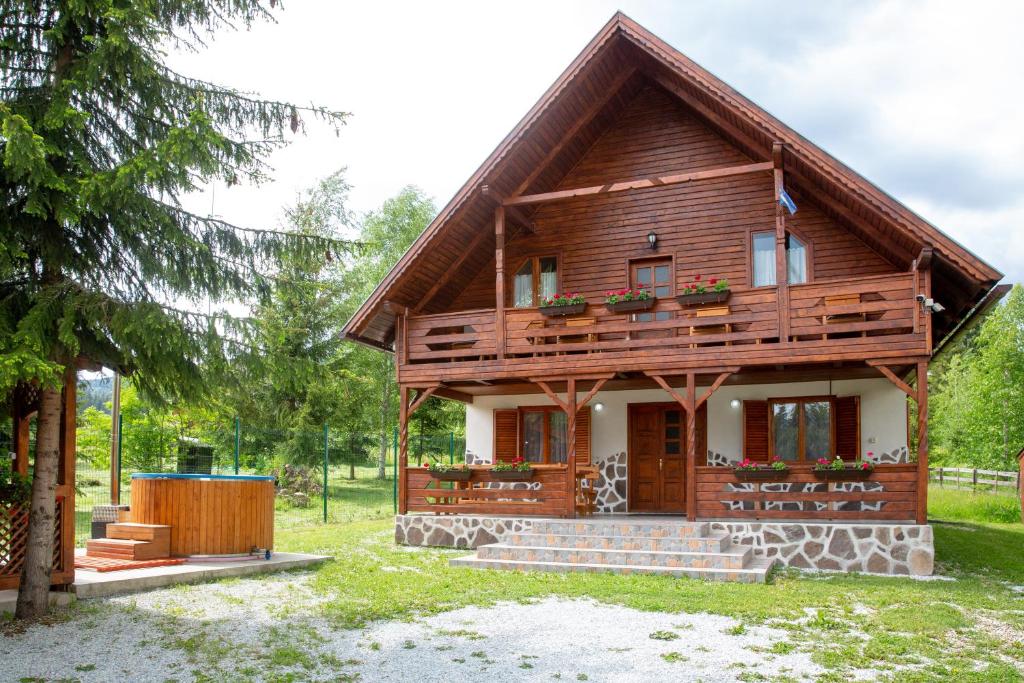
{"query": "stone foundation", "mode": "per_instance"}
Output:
(879, 548)
(868, 547)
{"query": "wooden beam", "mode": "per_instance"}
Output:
(512, 213)
(422, 397)
(403, 448)
(922, 442)
(906, 388)
(552, 395)
(499, 280)
(593, 110)
(714, 387)
(454, 395)
(781, 263)
(924, 259)
(691, 446)
(671, 392)
(639, 183)
(570, 448)
(454, 268)
(593, 392)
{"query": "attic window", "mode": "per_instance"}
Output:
(763, 269)
(536, 279)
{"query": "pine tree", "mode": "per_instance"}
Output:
(100, 260)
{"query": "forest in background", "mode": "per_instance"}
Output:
(300, 375)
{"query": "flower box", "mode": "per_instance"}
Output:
(845, 474)
(631, 306)
(567, 309)
(765, 474)
(512, 475)
(700, 298)
(452, 475)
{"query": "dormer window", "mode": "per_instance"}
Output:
(536, 279)
(763, 270)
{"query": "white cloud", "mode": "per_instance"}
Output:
(925, 99)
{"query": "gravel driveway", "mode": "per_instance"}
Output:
(271, 629)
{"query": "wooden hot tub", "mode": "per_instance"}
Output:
(208, 514)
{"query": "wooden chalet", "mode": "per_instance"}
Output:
(640, 168)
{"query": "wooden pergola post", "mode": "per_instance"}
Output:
(691, 404)
(405, 411)
(919, 396)
(571, 407)
(922, 442)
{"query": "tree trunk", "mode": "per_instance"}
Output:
(385, 406)
(34, 590)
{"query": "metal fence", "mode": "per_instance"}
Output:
(994, 481)
(323, 476)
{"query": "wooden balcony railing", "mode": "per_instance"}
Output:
(889, 494)
(545, 494)
(847, 316)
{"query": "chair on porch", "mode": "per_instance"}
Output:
(843, 300)
(586, 496)
(702, 327)
(536, 341)
(579, 338)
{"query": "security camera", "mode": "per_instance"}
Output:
(921, 298)
(937, 307)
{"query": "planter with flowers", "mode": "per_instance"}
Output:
(748, 470)
(443, 472)
(563, 304)
(714, 291)
(629, 300)
(517, 470)
(837, 470)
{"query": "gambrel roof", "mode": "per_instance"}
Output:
(622, 59)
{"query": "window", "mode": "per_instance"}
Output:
(801, 428)
(655, 276)
(544, 434)
(536, 279)
(764, 259)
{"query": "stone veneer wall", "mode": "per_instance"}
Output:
(878, 548)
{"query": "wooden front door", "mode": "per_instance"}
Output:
(657, 462)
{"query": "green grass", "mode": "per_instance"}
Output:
(985, 506)
(857, 621)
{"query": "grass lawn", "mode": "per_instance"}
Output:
(333, 623)
(968, 628)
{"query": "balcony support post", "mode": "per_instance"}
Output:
(499, 281)
(781, 265)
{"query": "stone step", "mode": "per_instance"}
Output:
(755, 572)
(621, 527)
(733, 559)
(715, 543)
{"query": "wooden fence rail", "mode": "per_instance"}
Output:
(995, 481)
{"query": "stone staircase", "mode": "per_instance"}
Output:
(622, 546)
(130, 541)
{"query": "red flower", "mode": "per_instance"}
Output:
(426, 464)
(713, 281)
(696, 278)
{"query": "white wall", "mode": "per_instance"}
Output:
(883, 411)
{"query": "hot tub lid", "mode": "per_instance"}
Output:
(216, 477)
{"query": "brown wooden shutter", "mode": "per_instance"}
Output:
(848, 427)
(583, 437)
(506, 435)
(702, 435)
(755, 430)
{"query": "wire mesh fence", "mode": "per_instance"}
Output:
(326, 475)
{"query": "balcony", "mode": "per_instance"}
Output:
(872, 317)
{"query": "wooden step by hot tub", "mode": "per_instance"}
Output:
(208, 514)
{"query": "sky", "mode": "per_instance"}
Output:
(923, 99)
